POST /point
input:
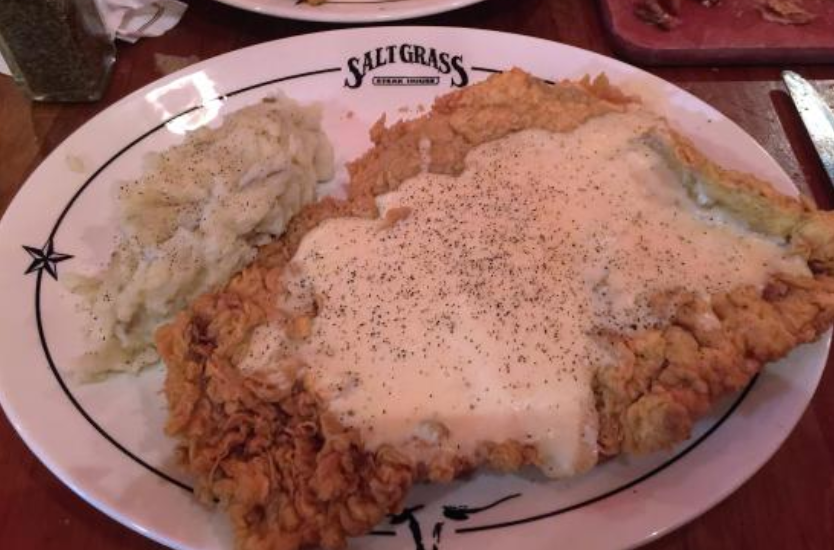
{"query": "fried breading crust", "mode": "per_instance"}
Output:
(751, 199)
(291, 476)
(667, 378)
(462, 120)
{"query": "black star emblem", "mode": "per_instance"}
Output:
(45, 259)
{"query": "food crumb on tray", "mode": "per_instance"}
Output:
(666, 14)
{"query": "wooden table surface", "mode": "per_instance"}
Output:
(788, 504)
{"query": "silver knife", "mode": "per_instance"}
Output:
(817, 116)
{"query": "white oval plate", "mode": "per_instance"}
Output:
(350, 11)
(105, 440)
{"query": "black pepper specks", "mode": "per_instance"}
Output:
(489, 299)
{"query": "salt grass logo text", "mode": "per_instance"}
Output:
(408, 54)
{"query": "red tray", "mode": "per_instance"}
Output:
(732, 32)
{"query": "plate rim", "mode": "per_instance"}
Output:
(31, 440)
(319, 14)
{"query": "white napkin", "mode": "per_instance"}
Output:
(130, 20)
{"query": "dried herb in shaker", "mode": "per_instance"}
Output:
(58, 50)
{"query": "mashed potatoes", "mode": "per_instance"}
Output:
(195, 218)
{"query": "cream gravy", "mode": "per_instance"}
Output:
(472, 318)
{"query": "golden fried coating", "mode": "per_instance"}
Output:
(291, 476)
(669, 377)
(462, 120)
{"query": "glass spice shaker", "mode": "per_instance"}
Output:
(57, 50)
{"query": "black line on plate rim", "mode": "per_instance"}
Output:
(188, 488)
(87, 417)
(276, 80)
(110, 161)
(39, 321)
(450, 509)
(629, 485)
(164, 123)
(499, 71)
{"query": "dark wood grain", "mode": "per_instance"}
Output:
(788, 504)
